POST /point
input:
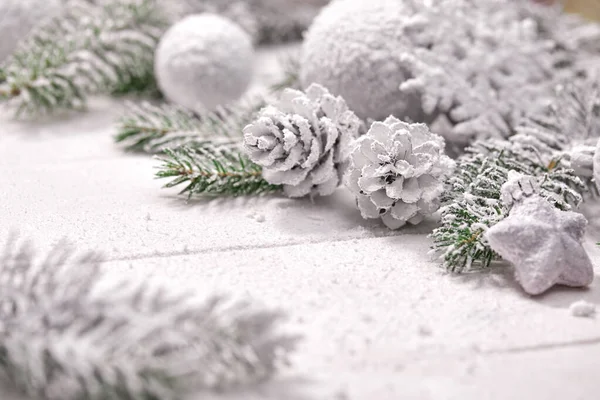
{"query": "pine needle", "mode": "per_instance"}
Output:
(151, 129)
(472, 202)
(90, 49)
(211, 170)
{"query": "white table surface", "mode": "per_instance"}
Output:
(381, 320)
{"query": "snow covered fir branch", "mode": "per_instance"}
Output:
(151, 129)
(86, 50)
(472, 201)
(213, 170)
(68, 332)
(549, 146)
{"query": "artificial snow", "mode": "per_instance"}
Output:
(582, 308)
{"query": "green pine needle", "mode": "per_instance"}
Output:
(472, 201)
(211, 170)
(152, 129)
(90, 49)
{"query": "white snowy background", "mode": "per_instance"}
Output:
(381, 320)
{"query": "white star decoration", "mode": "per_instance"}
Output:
(544, 245)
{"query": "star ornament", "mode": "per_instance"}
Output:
(544, 245)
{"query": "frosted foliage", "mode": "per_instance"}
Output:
(483, 64)
(69, 332)
(90, 49)
(397, 172)
(353, 48)
(19, 17)
(303, 143)
(204, 61)
(478, 65)
(567, 130)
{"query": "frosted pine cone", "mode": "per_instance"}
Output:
(397, 172)
(303, 143)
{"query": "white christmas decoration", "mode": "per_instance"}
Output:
(484, 85)
(544, 245)
(204, 61)
(303, 143)
(353, 48)
(397, 171)
(19, 17)
(479, 78)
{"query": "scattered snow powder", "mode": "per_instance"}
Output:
(582, 308)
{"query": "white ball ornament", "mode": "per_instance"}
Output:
(204, 61)
(354, 49)
(19, 17)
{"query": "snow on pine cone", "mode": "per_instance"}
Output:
(397, 171)
(303, 144)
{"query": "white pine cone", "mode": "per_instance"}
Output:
(303, 144)
(397, 171)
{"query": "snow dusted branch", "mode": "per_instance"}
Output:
(89, 49)
(69, 333)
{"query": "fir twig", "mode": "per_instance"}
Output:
(472, 201)
(89, 49)
(151, 129)
(67, 334)
(213, 171)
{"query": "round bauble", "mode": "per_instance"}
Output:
(204, 61)
(19, 17)
(353, 48)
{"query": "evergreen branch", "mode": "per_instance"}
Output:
(90, 49)
(472, 202)
(151, 129)
(213, 170)
(547, 146)
(143, 85)
(67, 334)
